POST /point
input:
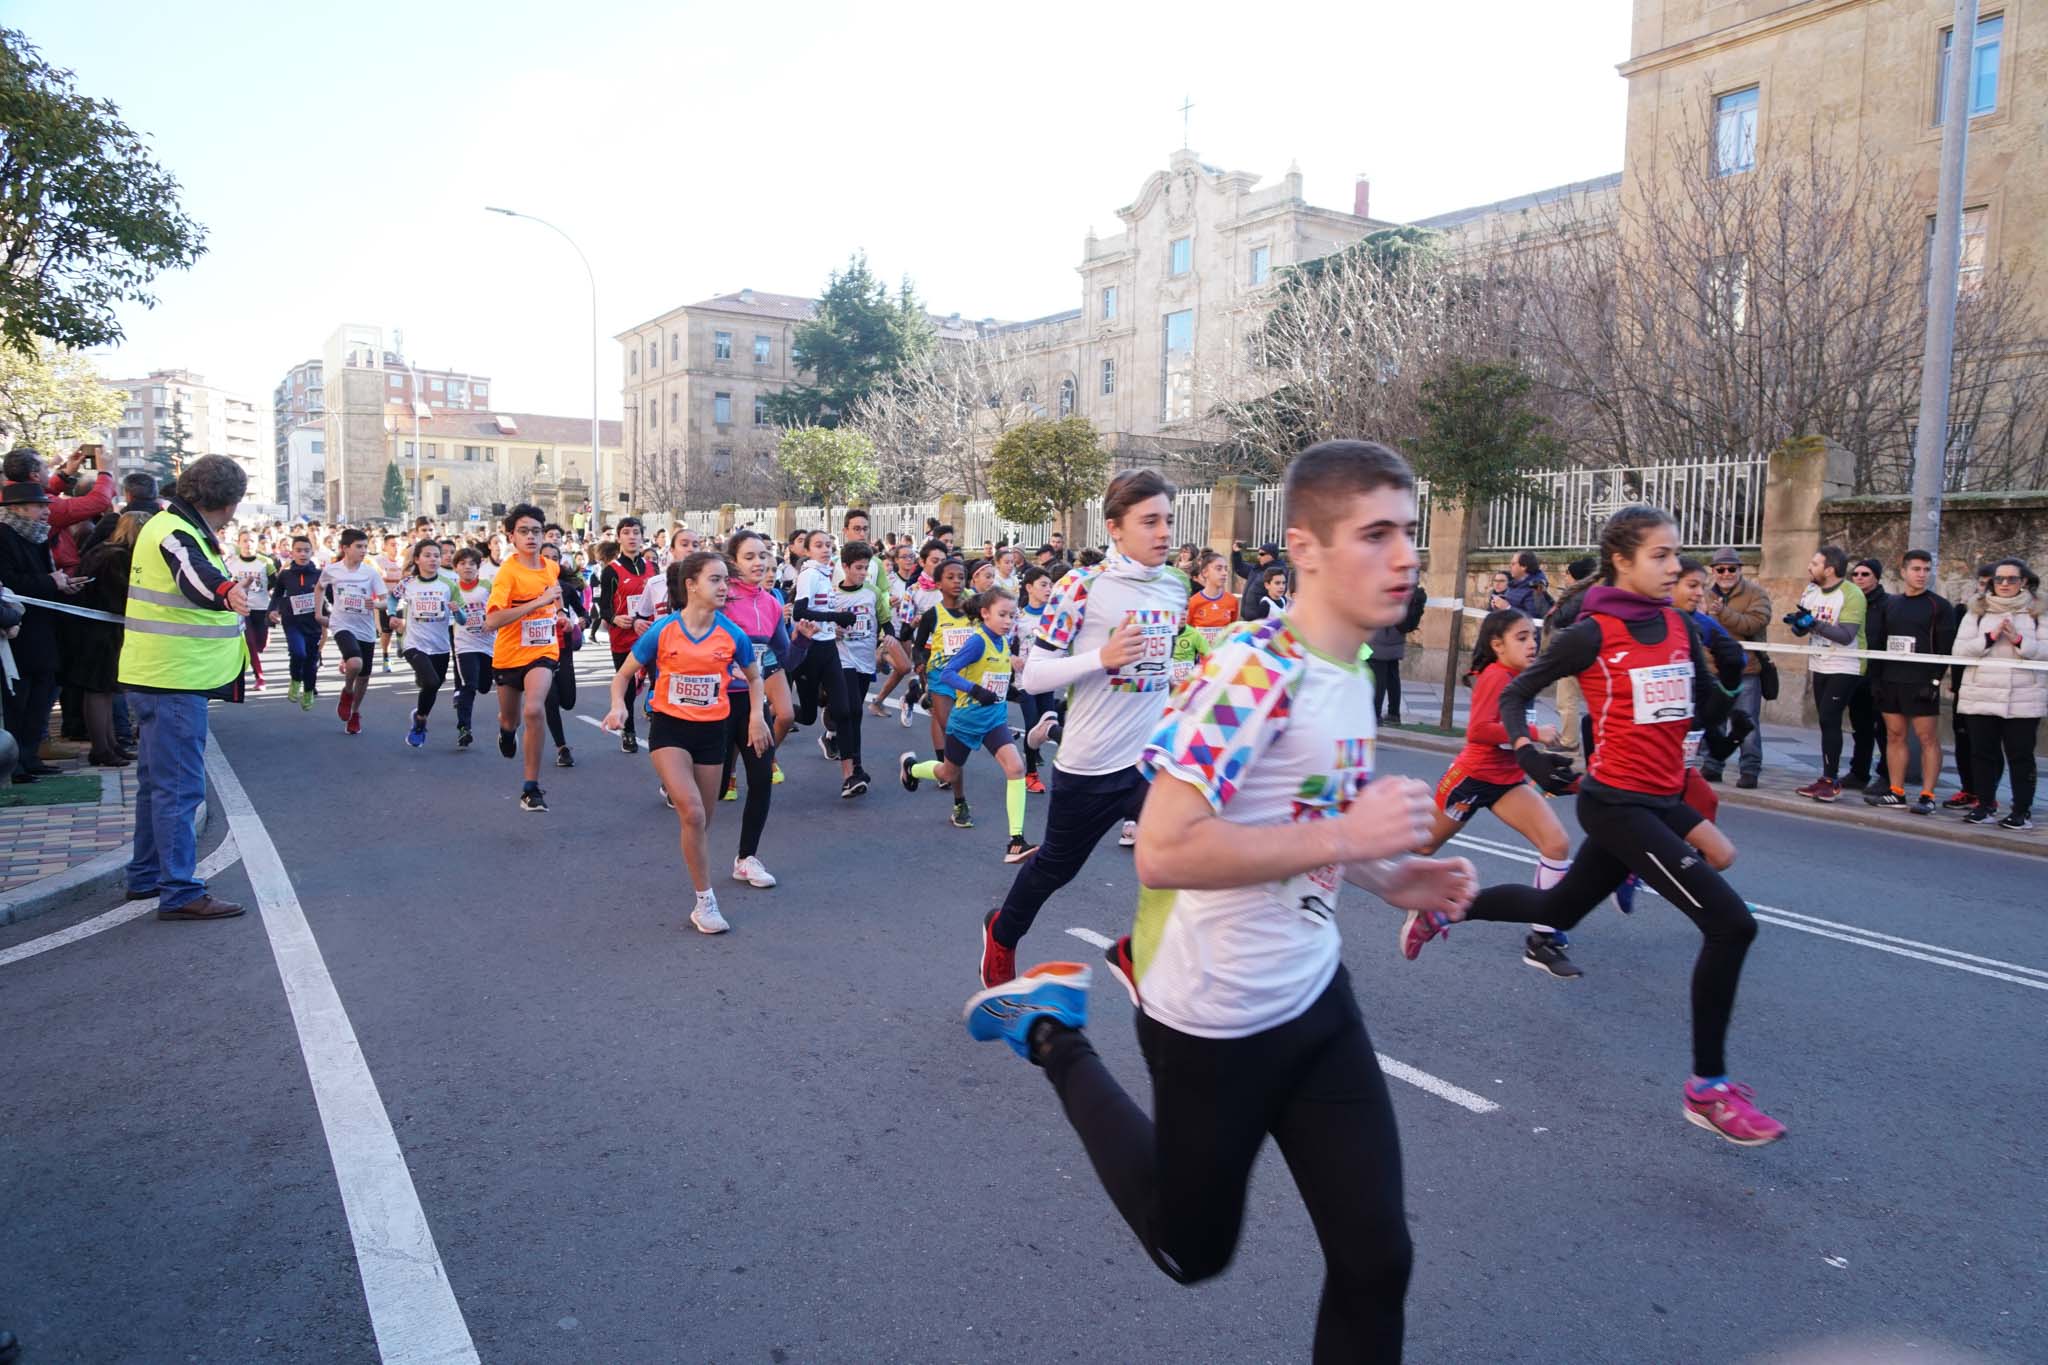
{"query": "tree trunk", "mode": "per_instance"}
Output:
(1454, 642)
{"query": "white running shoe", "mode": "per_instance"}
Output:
(706, 918)
(750, 871)
(1129, 838)
(903, 716)
(1036, 738)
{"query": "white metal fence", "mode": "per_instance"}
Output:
(1268, 514)
(1715, 502)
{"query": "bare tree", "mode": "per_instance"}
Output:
(936, 424)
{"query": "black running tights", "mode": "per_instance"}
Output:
(429, 671)
(1179, 1179)
(1646, 840)
(760, 773)
(562, 697)
(619, 657)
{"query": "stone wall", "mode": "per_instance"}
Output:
(1975, 527)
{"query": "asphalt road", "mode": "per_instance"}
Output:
(634, 1143)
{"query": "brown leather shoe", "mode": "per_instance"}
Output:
(206, 907)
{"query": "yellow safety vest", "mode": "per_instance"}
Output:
(168, 643)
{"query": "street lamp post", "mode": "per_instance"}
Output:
(596, 451)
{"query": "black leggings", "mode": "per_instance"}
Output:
(1649, 841)
(429, 671)
(1081, 811)
(1386, 689)
(760, 773)
(1179, 1180)
(619, 658)
(1832, 693)
(472, 675)
(847, 736)
(820, 682)
(562, 697)
(1995, 745)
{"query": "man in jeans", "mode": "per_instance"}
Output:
(1744, 610)
(1832, 610)
(182, 645)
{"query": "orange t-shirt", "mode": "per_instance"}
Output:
(1211, 617)
(530, 637)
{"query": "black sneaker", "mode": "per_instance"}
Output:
(1923, 805)
(858, 784)
(1546, 951)
(903, 766)
(2016, 821)
(563, 758)
(629, 743)
(962, 817)
(533, 799)
(827, 747)
(1746, 782)
(1018, 850)
(1885, 800)
(463, 737)
(1983, 815)
(507, 745)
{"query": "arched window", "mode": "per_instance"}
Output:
(1067, 398)
(1028, 395)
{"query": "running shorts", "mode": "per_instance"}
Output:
(515, 678)
(1906, 698)
(993, 739)
(352, 648)
(703, 740)
(1462, 797)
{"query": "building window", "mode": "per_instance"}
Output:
(409, 447)
(1735, 131)
(1109, 303)
(675, 346)
(675, 410)
(1177, 366)
(721, 461)
(1727, 295)
(1984, 55)
(472, 453)
(721, 345)
(1180, 256)
(1976, 242)
(1261, 258)
(1028, 395)
(653, 354)
(763, 349)
(397, 380)
(653, 412)
(721, 409)
(1108, 378)
(760, 410)
(1067, 398)
(490, 454)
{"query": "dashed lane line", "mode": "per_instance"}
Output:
(1399, 1070)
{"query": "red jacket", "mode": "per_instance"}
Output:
(69, 511)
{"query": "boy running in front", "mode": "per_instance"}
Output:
(525, 602)
(1246, 1015)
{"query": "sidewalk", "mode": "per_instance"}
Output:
(1791, 760)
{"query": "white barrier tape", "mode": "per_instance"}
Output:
(1772, 647)
(69, 610)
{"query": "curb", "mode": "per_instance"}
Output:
(102, 873)
(1784, 803)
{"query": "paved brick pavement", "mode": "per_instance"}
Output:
(41, 841)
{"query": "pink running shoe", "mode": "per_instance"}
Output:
(1419, 928)
(1730, 1110)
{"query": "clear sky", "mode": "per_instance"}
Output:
(341, 154)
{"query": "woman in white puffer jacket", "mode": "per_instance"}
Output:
(2003, 707)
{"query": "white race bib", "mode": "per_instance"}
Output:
(998, 683)
(302, 603)
(353, 603)
(1899, 644)
(1692, 747)
(1313, 894)
(536, 630)
(1154, 659)
(953, 639)
(1212, 633)
(1663, 692)
(429, 609)
(692, 689)
(1183, 669)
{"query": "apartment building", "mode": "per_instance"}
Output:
(167, 411)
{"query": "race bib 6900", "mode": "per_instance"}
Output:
(1663, 692)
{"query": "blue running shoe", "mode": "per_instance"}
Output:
(417, 736)
(1051, 990)
(1625, 894)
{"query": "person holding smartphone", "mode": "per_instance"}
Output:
(72, 499)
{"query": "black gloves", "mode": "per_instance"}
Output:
(1552, 772)
(1720, 746)
(1801, 621)
(982, 696)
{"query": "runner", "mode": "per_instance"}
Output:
(1246, 1017)
(294, 604)
(690, 656)
(425, 606)
(1107, 634)
(346, 609)
(942, 629)
(256, 572)
(472, 642)
(524, 605)
(757, 610)
(1037, 708)
(1214, 608)
(819, 682)
(1485, 776)
(857, 649)
(1630, 802)
(977, 674)
(1833, 610)
(888, 648)
(624, 579)
(391, 569)
(902, 576)
(562, 692)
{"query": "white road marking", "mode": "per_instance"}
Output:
(212, 865)
(1399, 1070)
(1953, 958)
(412, 1307)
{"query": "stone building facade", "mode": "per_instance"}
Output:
(214, 420)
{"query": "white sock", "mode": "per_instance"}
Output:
(1548, 874)
(705, 898)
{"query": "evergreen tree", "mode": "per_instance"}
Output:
(859, 338)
